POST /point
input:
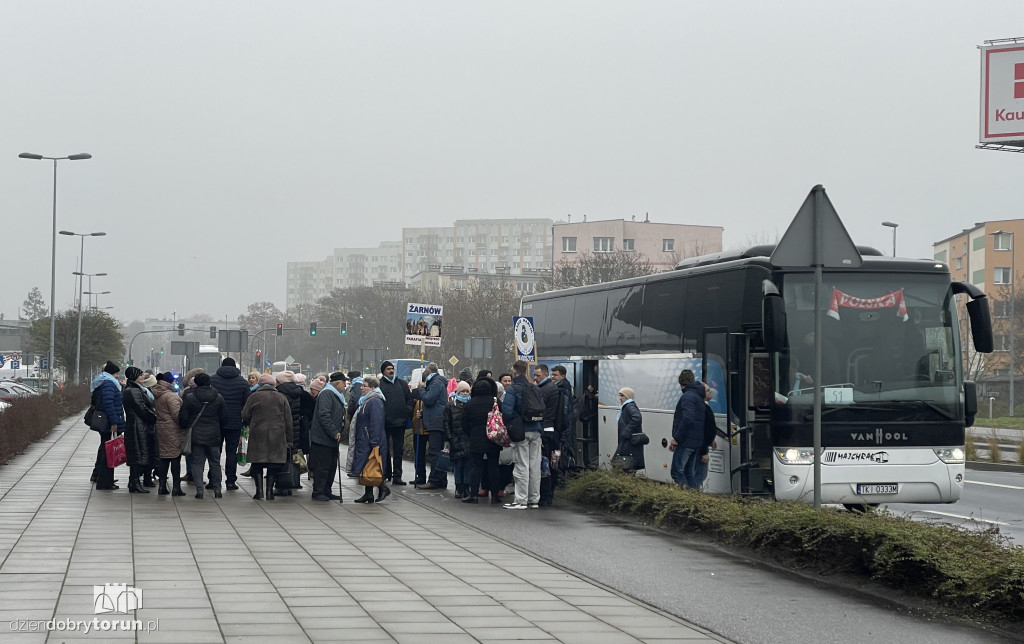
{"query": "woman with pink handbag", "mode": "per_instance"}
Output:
(107, 398)
(483, 450)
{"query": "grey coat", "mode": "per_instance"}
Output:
(269, 417)
(329, 418)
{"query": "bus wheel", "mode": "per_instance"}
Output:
(860, 508)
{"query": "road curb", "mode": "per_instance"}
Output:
(994, 467)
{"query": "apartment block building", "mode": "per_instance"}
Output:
(308, 282)
(479, 246)
(662, 244)
(983, 255)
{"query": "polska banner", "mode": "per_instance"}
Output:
(889, 301)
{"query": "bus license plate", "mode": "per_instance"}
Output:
(877, 488)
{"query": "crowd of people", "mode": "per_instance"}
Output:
(284, 425)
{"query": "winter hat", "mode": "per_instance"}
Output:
(266, 379)
(316, 386)
(131, 373)
(111, 368)
(149, 381)
(384, 365)
(228, 362)
(166, 377)
(337, 375)
(466, 375)
(191, 374)
(285, 376)
(300, 378)
(202, 379)
(462, 388)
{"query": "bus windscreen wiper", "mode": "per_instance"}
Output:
(886, 405)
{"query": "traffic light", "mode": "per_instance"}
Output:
(181, 329)
(312, 328)
(280, 329)
(213, 333)
(259, 354)
(161, 350)
(344, 328)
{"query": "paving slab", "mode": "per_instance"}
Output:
(238, 570)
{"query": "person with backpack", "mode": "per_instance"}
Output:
(523, 409)
(549, 437)
(565, 423)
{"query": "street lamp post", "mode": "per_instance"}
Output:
(81, 278)
(98, 294)
(889, 224)
(53, 245)
(1013, 285)
(90, 276)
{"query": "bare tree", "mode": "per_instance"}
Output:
(597, 268)
(484, 309)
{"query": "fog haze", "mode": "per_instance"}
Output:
(229, 138)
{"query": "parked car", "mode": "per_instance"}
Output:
(4, 405)
(11, 391)
(22, 387)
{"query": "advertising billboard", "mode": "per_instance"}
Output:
(1002, 94)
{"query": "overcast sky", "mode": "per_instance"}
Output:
(229, 138)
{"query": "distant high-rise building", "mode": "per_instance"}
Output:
(661, 244)
(308, 282)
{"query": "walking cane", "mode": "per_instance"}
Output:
(340, 490)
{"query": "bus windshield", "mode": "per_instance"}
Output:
(889, 341)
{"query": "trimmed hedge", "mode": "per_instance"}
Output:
(965, 570)
(29, 419)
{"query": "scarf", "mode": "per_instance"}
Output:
(337, 393)
(624, 403)
(375, 393)
(98, 380)
(148, 393)
(391, 379)
(461, 398)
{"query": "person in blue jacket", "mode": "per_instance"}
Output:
(687, 430)
(106, 396)
(433, 393)
(367, 433)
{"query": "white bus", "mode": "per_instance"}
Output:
(896, 403)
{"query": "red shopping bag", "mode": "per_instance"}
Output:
(116, 454)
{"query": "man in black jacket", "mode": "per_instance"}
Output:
(230, 384)
(549, 437)
(202, 410)
(398, 406)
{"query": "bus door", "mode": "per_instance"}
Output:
(588, 452)
(716, 371)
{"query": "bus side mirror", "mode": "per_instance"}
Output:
(970, 402)
(773, 321)
(981, 324)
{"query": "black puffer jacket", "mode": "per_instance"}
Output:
(293, 393)
(210, 424)
(139, 426)
(228, 382)
(454, 433)
(474, 417)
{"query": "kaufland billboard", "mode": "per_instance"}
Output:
(1002, 94)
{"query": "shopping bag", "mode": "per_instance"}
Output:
(243, 446)
(300, 460)
(444, 462)
(373, 471)
(116, 453)
(288, 477)
(496, 427)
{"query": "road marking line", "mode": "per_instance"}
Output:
(1012, 487)
(960, 516)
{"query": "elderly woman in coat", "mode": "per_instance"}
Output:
(139, 417)
(169, 434)
(368, 424)
(269, 417)
(630, 422)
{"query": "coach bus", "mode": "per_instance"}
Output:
(895, 400)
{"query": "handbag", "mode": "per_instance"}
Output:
(186, 441)
(288, 477)
(97, 420)
(300, 459)
(444, 461)
(516, 430)
(639, 439)
(243, 446)
(620, 462)
(373, 472)
(115, 451)
(496, 427)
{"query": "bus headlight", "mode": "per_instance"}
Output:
(950, 454)
(795, 456)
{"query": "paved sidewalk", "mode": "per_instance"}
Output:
(289, 570)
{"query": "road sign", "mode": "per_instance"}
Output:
(44, 363)
(453, 361)
(2, 361)
(15, 365)
(267, 363)
(522, 327)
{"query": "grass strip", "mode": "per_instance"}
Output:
(977, 573)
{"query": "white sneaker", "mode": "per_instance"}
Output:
(514, 506)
